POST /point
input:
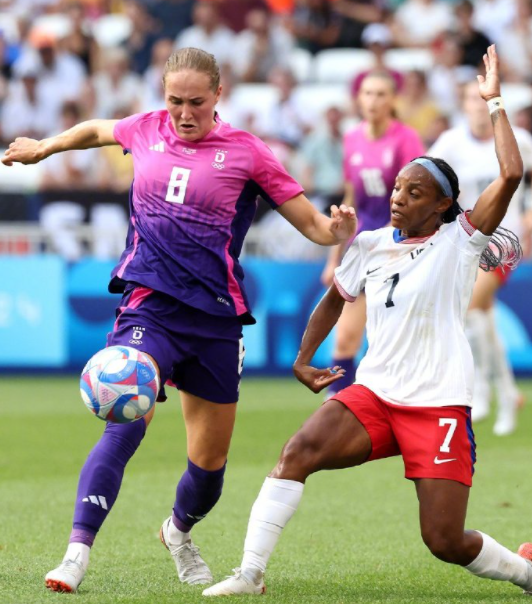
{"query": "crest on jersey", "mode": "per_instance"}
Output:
(387, 158)
(356, 159)
(219, 159)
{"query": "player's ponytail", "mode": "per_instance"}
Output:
(504, 248)
(196, 60)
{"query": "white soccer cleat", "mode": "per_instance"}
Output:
(238, 584)
(67, 576)
(191, 567)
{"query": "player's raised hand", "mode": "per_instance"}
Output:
(489, 85)
(344, 222)
(23, 150)
(317, 379)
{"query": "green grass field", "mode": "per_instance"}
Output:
(355, 537)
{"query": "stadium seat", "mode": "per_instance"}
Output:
(317, 98)
(254, 99)
(516, 97)
(341, 65)
(111, 30)
(56, 24)
(301, 63)
(408, 59)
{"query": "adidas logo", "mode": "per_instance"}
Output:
(158, 147)
(99, 500)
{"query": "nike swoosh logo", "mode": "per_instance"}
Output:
(375, 269)
(438, 461)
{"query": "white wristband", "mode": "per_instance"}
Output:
(495, 104)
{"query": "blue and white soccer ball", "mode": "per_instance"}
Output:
(119, 384)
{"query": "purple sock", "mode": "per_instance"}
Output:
(101, 477)
(196, 495)
(347, 379)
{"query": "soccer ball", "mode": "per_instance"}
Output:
(119, 384)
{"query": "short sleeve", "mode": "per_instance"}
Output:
(469, 238)
(277, 186)
(125, 129)
(347, 277)
(412, 146)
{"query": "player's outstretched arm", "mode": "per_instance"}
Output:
(493, 202)
(300, 212)
(86, 135)
(322, 320)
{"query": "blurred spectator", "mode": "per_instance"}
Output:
(322, 156)
(80, 41)
(473, 42)
(208, 32)
(448, 73)
(61, 75)
(354, 16)
(416, 108)
(114, 169)
(491, 17)
(23, 112)
(515, 44)
(284, 121)
(377, 38)
(144, 35)
(227, 107)
(419, 22)
(172, 16)
(115, 84)
(260, 47)
(523, 119)
(315, 25)
(71, 170)
(235, 12)
(152, 89)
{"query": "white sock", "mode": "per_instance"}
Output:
(507, 392)
(477, 328)
(496, 562)
(78, 551)
(176, 536)
(275, 505)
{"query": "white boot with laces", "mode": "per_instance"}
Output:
(68, 575)
(250, 582)
(191, 567)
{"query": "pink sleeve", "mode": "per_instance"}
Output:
(412, 146)
(277, 186)
(125, 129)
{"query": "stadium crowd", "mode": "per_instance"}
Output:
(291, 70)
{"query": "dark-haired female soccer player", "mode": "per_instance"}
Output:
(413, 390)
(192, 201)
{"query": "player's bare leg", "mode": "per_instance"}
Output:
(442, 513)
(209, 429)
(99, 484)
(332, 438)
(349, 333)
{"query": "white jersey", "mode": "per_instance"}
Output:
(475, 163)
(417, 295)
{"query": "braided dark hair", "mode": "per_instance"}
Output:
(503, 249)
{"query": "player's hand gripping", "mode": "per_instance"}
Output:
(25, 151)
(344, 222)
(317, 379)
(489, 86)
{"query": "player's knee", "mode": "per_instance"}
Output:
(299, 457)
(444, 546)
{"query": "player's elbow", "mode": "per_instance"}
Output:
(513, 173)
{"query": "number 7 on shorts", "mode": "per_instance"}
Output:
(452, 423)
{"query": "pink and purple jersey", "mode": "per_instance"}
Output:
(191, 206)
(371, 166)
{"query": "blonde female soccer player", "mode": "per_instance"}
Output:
(413, 391)
(192, 201)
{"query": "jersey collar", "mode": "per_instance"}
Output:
(399, 238)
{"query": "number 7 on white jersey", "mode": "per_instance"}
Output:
(452, 423)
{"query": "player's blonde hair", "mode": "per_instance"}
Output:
(196, 60)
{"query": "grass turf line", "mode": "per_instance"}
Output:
(355, 537)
